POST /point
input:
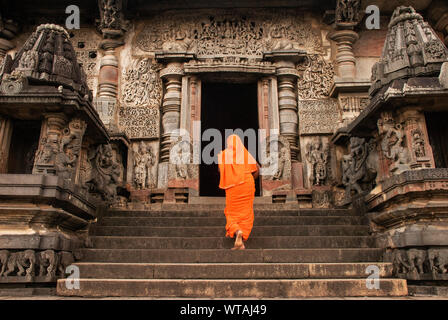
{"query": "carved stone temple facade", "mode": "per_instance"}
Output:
(114, 116)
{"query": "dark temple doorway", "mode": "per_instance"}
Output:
(226, 106)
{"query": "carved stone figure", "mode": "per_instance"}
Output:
(48, 263)
(4, 256)
(110, 14)
(65, 259)
(438, 260)
(392, 143)
(399, 262)
(181, 156)
(69, 148)
(418, 143)
(277, 165)
(416, 260)
(317, 156)
(21, 260)
(347, 11)
(144, 160)
(105, 172)
(355, 168)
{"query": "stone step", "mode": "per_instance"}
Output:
(229, 270)
(313, 230)
(228, 288)
(220, 212)
(221, 221)
(232, 256)
(281, 242)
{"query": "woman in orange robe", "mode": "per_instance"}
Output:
(238, 169)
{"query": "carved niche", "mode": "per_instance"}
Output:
(141, 98)
(315, 77)
(222, 33)
(317, 155)
(358, 171)
(393, 143)
(181, 160)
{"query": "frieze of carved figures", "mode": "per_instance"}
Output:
(105, 172)
(31, 263)
(228, 33)
(393, 143)
(142, 84)
(316, 77)
(317, 155)
(144, 160)
(278, 159)
(347, 11)
(357, 167)
(69, 148)
(419, 261)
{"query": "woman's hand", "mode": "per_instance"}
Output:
(256, 173)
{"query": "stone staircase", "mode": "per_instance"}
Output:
(183, 253)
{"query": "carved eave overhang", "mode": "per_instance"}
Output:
(425, 92)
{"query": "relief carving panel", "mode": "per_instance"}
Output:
(228, 33)
(318, 116)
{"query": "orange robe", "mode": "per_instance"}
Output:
(236, 165)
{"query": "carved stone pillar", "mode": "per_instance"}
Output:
(417, 139)
(49, 143)
(112, 27)
(287, 106)
(172, 75)
(5, 142)
(345, 59)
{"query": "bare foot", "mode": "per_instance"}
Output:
(239, 245)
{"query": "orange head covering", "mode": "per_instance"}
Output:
(234, 162)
